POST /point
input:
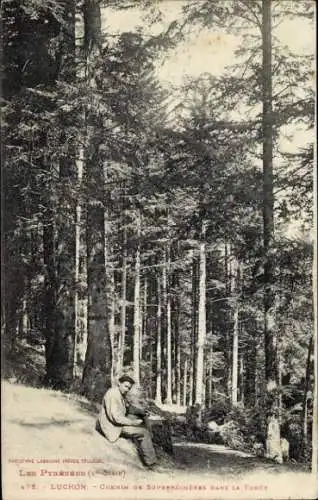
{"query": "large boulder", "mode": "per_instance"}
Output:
(213, 426)
(284, 444)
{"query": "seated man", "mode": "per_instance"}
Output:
(115, 420)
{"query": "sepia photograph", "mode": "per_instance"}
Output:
(159, 250)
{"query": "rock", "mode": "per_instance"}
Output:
(284, 444)
(180, 419)
(273, 441)
(213, 426)
(213, 433)
(258, 449)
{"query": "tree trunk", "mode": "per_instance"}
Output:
(241, 379)
(110, 280)
(209, 388)
(56, 347)
(271, 364)
(137, 325)
(191, 382)
(250, 373)
(304, 437)
(235, 356)
(52, 378)
(235, 349)
(185, 382)
(24, 323)
(66, 215)
(98, 360)
(158, 397)
(109, 273)
(65, 219)
(167, 300)
(193, 328)
(97, 374)
(228, 344)
(80, 271)
(143, 322)
(178, 375)
(177, 368)
(314, 457)
(59, 238)
(270, 333)
(80, 275)
(199, 384)
(122, 337)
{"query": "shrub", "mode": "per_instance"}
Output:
(232, 436)
(217, 412)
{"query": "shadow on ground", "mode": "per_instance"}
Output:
(24, 364)
(208, 458)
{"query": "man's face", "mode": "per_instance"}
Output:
(124, 387)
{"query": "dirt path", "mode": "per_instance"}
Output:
(211, 458)
(49, 444)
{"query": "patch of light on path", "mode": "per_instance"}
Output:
(216, 448)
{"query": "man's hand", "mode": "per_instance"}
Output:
(137, 422)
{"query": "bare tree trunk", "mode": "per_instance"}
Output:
(176, 368)
(66, 215)
(235, 350)
(122, 337)
(53, 376)
(193, 329)
(235, 357)
(178, 375)
(304, 438)
(109, 275)
(280, 370)
(208, 382)
(177, 358)
(250, 358)
(228, 346)
(270, 333)
(314, 457)
(80, 307)
(136, 342)
(59, 313)
(191, 382)
(185, 382)
(242, 400)
(144, 320)
(167, 300)
(199, 392)
(158, 397)
(25, 323)
(98, 361)
(110, 280)
(80, 272)
(271, 365)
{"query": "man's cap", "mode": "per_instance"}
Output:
(126, 378)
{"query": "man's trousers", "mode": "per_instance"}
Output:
(143, 440)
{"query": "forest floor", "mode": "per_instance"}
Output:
(46, 432)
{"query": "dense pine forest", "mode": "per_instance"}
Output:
(159, 231)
